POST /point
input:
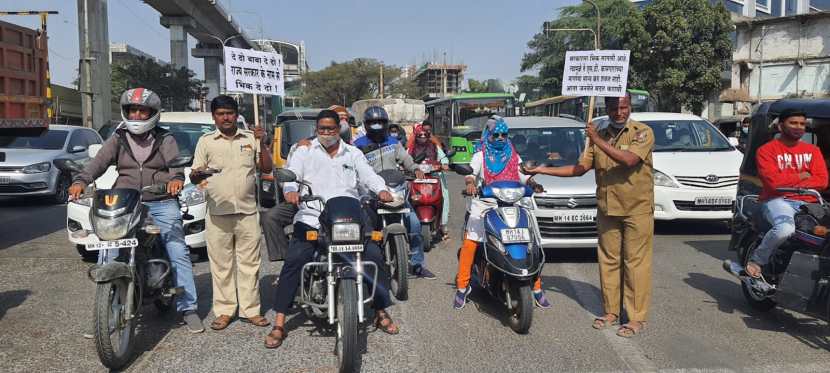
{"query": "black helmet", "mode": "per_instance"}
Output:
(376, 123)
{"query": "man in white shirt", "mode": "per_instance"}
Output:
(333, 169)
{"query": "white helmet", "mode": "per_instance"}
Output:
(141, 97)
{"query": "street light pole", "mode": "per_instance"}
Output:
(599, 23)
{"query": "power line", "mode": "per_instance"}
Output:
(142, 19)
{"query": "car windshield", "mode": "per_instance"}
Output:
(187, 135)
(294, 131)
(552, 146)
(687, 136)
(49, 140)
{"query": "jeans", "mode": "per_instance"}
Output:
(416, 241)
(779, 212)
(168, 217)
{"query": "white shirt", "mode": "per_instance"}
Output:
(330, 177)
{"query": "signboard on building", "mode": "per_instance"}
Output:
(602, 73)
(255, 72)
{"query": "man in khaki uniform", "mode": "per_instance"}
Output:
(621, 156)
(232, 228)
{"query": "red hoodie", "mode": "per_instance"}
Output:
(779, 166)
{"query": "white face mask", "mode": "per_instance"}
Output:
(328, 140)
(376, 126)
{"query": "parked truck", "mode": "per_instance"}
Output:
(24, 80)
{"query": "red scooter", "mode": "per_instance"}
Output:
(427, 199)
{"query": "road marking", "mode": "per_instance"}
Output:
(626, 349)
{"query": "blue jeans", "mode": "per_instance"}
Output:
(167, 216)
(779, 212)
(416, 241)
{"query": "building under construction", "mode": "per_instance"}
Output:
(439, 80)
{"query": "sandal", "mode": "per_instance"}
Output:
(628, 330)
(274, 341)
(221, 322)
(605, 321)
(385, 323)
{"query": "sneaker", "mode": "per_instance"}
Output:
(540, 299)
(461, 298)
(193, 322)
(422, 272)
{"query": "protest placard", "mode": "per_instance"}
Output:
(256, 72)
(602, 73)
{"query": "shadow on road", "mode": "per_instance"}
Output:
(718, 249)
(22, 220)
(585, 294)
(690, 227)
(809, 330)
(11, 299)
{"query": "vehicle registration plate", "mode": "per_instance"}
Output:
(426, 181)
(117, 244)
(514, 235)
(715, 200)
(345, 248)
(575, 217)
(5, 180)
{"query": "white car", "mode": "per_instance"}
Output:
(186, 128)
(696, 168)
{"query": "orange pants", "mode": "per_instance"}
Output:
(465, 265)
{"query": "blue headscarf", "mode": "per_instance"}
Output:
(496, 153)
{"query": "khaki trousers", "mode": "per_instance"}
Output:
(233, 249)
(624, 255)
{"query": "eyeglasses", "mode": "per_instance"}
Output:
(327, 129)
(499, 135)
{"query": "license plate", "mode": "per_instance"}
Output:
(575, 217)
(426, 181)
(345, 248)
(5, 180)
(514, 235)
(117, 244)
(398, 211)
(710, 201)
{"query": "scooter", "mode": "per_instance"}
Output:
(798, 273)
(427, 199)
(512, 256)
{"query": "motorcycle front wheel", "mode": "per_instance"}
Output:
(399, 268)
(114, 334)
(347, 326)
(520, 308)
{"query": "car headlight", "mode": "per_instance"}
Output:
(509, 195)
(37, 168)
(192, 196)
(661, 179)
(345, 232)
(112, 229)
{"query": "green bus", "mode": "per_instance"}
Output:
(459, 119)
(577, 107)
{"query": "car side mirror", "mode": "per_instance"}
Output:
(180, 161)
(93, 150)
(284, 175)
(77, 149)
(463, 169)
(733, 141)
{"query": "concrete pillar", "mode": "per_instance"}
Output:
(179, 27)
(749, 9)
(212, 56)
(95, 80)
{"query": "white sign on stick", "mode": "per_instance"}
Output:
(596, 73)
(250, 71)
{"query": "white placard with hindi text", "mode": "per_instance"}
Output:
(250, 71)
(596, 73)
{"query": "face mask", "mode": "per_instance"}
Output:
(328, 140)
(376, 126)
(394, 134)
(498, 144)
(745, 129)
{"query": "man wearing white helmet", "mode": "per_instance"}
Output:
(140, 152)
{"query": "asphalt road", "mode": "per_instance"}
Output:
(699, 320)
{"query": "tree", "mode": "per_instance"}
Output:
(175, 87)
(475, 86)
(689, 49)
(531, 86)
(622, 28)
(346, 82)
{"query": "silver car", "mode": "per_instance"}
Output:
(566, 212)
(26, 168)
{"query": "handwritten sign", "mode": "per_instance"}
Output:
(596, 73)
(250, 71)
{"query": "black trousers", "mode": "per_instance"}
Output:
(301, 252)
(274, 221)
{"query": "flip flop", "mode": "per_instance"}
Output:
(272, 341)
(604, 322)
(627, 331)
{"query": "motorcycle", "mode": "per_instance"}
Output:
(512, 255)
(798, 273)
(391, 220)
(426, 197)
(332, 287)
(140, 271)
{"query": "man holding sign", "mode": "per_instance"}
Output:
(621, 156)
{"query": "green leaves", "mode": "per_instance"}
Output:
(175, 87)
(343, 83)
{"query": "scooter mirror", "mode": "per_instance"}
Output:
(68, 165)
(284, 175)
(180, 161)
(463, 169)
(450, 153)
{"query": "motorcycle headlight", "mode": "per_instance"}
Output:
(345, 232)
(111, 229)
(192, 196)
(509, 195)
(661, 179)
(37, 168)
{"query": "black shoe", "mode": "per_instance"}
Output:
(422, 272)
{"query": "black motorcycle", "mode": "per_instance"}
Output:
(136, 270)
(333, 287)
(391, 220)
(798, 273)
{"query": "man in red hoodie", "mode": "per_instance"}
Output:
(786, 162)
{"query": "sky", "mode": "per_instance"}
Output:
(489, 36)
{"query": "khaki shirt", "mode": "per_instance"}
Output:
(231, 191)
(622, 190)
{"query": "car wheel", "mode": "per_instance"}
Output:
(62, 189)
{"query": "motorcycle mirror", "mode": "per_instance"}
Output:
(420, 158)
(450, 153)
(463, 169)
(284, 175)
(68, 165)
(180, 161)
